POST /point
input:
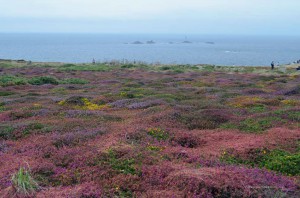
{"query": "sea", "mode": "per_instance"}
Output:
(221, 50)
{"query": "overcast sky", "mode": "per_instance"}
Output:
(266, 17)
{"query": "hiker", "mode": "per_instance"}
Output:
(272, 65)
(94, 62)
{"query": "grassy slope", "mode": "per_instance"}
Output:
(150, 130)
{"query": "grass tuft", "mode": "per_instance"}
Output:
(23, 183)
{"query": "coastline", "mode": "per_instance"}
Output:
(281, 69)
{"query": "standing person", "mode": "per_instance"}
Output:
(272, 65)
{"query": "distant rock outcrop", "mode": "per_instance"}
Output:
(150, 42)
(137, 42)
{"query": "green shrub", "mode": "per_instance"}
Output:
(16, 115)
(230, 158)
(68, 65)
(124, 193)
(6, 132)
(209, 68)
(9, 133)
(275, 160)
(266, 78)
(127, 95)
(257, 125)
(97, 67)
(30, 128)
(60, 90)
(290, 114)
(125, 166)
(6, 93)
(228, 125)
(41, 80)
(158, 134)
(282, 161)
(248, 69)
(295, 115)
(258, 108)
(8, 80)
(178, 71)
(164, 68)
(5, 65)
(23, 183)
(127, 66)
(36, 126)
(2, 108)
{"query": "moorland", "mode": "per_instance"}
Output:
(138, 130)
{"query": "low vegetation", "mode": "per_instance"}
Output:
(138, 130)
(10, 80)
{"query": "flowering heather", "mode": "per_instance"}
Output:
(294, 91)
(254, 91)
(205, 119)
(136, 130)
(230, 181)
(122, 103)
(82, 113)
(3, 147)
(75, 138)
(188, 141)
(145, 104)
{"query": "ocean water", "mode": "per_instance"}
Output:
(167, 49)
